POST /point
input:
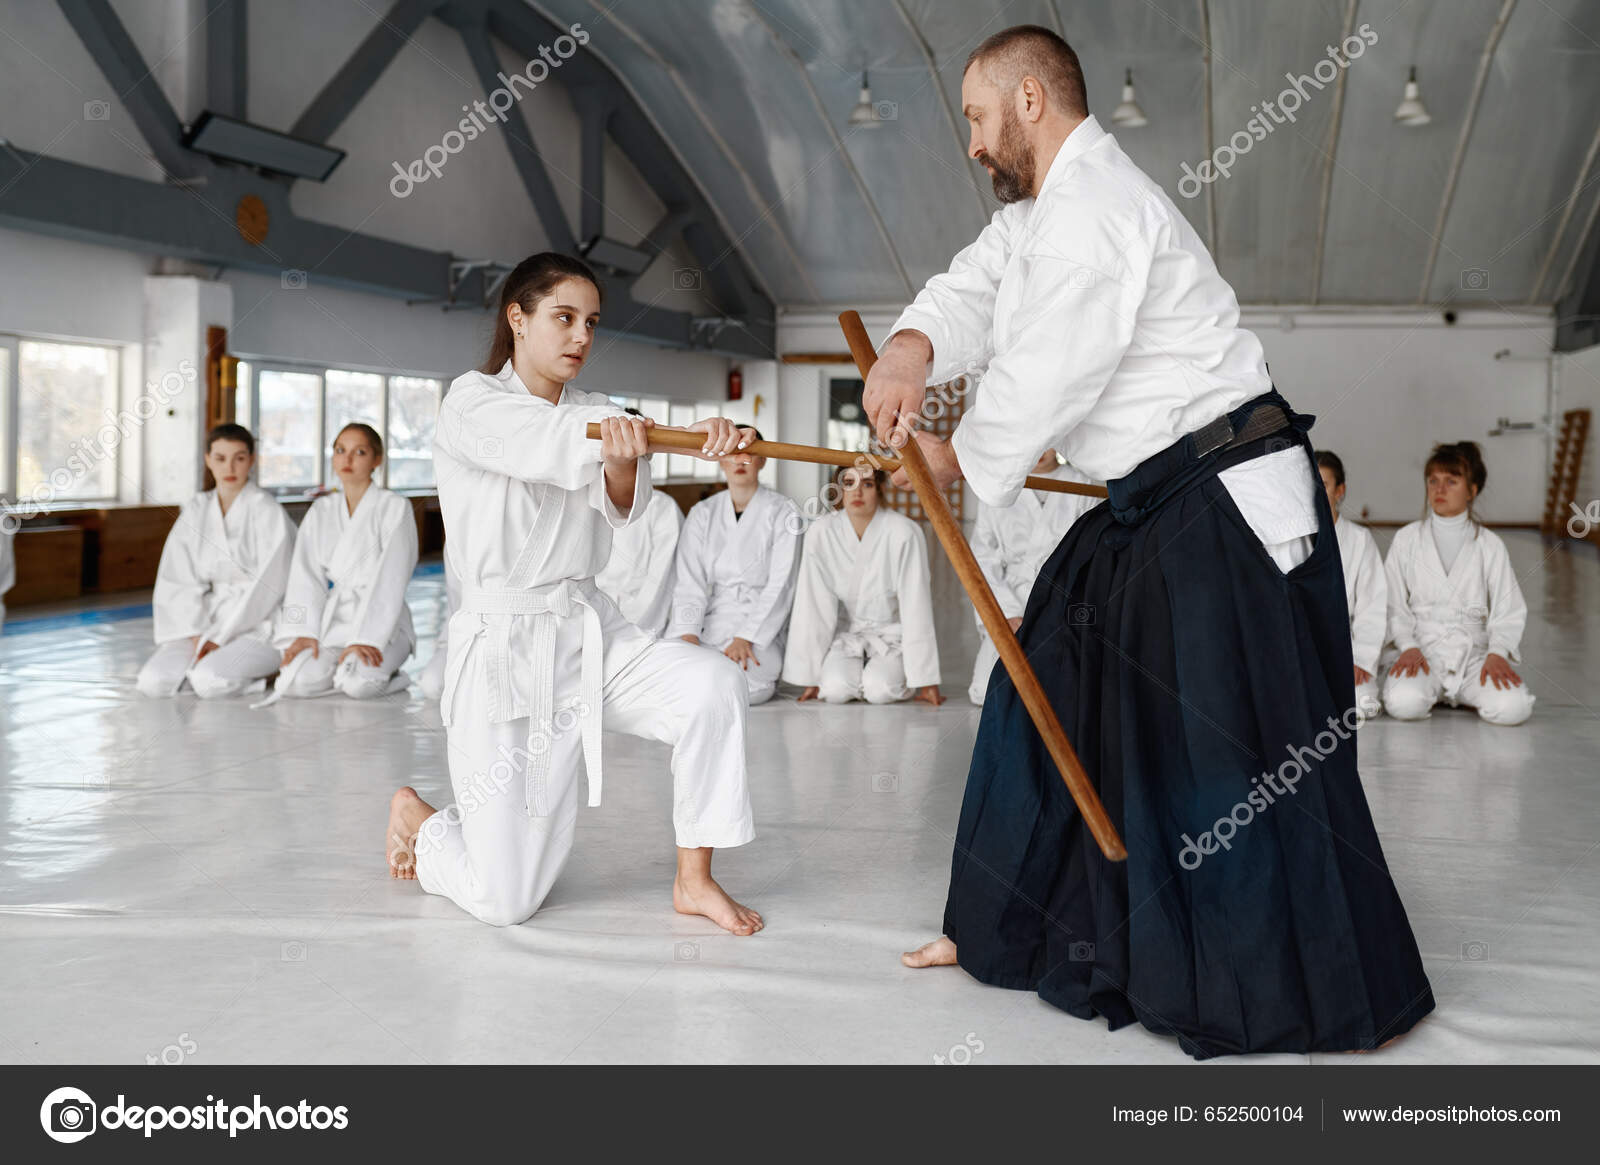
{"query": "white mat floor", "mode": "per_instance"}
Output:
(188, 880)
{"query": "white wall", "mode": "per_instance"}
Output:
(1385, 387)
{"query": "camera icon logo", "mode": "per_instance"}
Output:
(491, 447)
(686, 952)
(293, 279)
(1081, 952)
(1475, 952)
(885, 782)
(1474, 279)
(1080, 614)
(1081, 277)
(886, 110)
(67, 1115)
(97, 111)
(292, 952)
(294, 613)
(686, 279)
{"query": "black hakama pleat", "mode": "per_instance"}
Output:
(1210, 697)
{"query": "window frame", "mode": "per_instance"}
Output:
(11, 415)
(250, 383)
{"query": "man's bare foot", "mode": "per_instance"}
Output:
(407, 812)
(941, 952)
(701, 895)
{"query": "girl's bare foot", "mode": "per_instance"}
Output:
(700, 894)
(407, 812)
(941, 952)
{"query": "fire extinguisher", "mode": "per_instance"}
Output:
(735, 385)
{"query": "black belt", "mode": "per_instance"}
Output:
(1220, 434)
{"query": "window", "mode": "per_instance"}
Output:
(58, 440)
(295, 414)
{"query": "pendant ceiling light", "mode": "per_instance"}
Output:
(1411, 111)
(1129, 113)
(865, 114)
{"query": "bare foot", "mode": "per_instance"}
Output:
(407, 812)
(941, 952)
(702, 895)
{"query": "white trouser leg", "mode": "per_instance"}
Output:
(1368, 702)
(493, 860)
(1411, 697)
(988, 657)
(431, 681)
(841, 672)
(312, 678)
(360, 681)
(761, 679)
(1503, 706)
(691, 699)
(883, 680)
(162, 672)
(231, 668)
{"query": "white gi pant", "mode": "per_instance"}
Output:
(485, 852)
(761, 679)
(1413, 697)
(988, 659)
(431, 681)
(863, 667)
(322, 674)
(1368, 702)
(227, 671)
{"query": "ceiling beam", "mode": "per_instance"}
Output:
(1478, 85)
(1330, 160)
(228, 59)
(519, 142)
(1578, 185)
(361, 71)
(1578, 311)
(135, 85)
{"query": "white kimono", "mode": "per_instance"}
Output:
(221, 579)
(734, 579)
(431, 681)
(347, 585)
(1457, 618)
(8, 568)
(638, 576)
(539, 655)
(1366, 592)
(1011, 544)
(885, 646)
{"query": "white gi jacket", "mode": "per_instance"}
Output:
(1366, 590)
(734, 577)
(638, 576)
(220, 578)
(882, 581)
(528, 521)
(1098, 319)
(367, 557)
(1457, 618)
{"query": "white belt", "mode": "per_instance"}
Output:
(549, 606)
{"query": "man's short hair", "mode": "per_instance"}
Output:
(1029, 50)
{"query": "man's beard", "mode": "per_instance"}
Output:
(1012, 161)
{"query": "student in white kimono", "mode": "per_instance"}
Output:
(733, 581)
(1011, 544)
(538, 654)
(1456, 612)
(1366, 590)
(221, 580)
(344, 625)
(874, 563)
(638, 575)
(431, 681)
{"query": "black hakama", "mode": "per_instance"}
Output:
(1210, 696)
